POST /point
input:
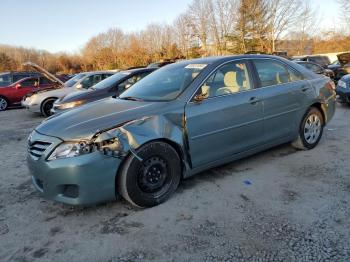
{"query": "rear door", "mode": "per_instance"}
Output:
(229, 119)
(284, 97)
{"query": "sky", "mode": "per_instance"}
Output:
(66, 25)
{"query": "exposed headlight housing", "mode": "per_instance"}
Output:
(69, 105)
(342, 84)
(70, 149)
(108, 143)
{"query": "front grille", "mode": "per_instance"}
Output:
(37, 148)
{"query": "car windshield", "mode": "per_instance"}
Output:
(5, 80)
(165, 84)
(110, 81)
(74, 80)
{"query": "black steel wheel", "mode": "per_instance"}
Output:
(153, 180)
(47, 106)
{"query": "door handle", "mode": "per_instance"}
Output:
(254, 100)
(305, 88)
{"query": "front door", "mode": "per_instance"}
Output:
(229, 117)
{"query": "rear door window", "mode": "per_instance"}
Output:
(271, 72)
(29, 82)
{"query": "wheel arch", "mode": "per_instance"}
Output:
(177, 147)
(45, 100)
(7, 100)
(320, 106)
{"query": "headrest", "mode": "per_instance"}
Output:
(230, 79)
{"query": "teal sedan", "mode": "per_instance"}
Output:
(180, 120)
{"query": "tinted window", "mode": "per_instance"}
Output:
(5, 80)
(104, 76)
(271, 73)
(228, 79)
(45, 81)
(131, 81)
(19, 77)
(111, 81)
(315, 68)
(71, 82)
(29, 82)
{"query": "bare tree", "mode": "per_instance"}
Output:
(282, 15)
(304, 28)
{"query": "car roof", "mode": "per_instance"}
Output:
(138, 70)
(218, 59)
(97, 72)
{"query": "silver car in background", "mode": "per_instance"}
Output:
(42, 102)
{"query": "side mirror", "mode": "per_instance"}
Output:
(79, 86)
(200, 97)
(18, 86)
(127, 86)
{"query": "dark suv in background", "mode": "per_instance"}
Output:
(8, 78)
(341, 67)
(321, 60)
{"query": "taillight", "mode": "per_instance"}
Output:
(330, 85)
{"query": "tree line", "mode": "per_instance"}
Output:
(206, 28)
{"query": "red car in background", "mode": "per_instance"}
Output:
(12, 95)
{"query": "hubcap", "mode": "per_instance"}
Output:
(3, 104)
(312, 129)
(153, 175)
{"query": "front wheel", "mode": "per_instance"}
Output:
(47, 106)
(3, 104)
(153, 180)
(310, 131)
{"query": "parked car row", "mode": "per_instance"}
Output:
(154, 127)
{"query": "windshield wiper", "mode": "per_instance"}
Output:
(131, 98)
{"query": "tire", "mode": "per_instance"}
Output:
(4, 104)
(152, 181)
(310, 131)
(47, 106)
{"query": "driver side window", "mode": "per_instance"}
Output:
(230, 78)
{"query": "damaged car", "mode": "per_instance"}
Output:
(180, 120)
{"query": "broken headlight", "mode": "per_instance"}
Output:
(108, 143)
(70, 149)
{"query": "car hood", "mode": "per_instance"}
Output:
(44, 72)
(85, 121)
(78, 95)
(344, 58)
(55, 92)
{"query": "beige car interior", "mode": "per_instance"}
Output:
(235, 79)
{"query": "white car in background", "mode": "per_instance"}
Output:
(42, 101)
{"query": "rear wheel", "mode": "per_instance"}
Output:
(311, 130)
(47, 106)
(153, 180)
(3, 104)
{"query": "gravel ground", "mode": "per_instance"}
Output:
(279, 205)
